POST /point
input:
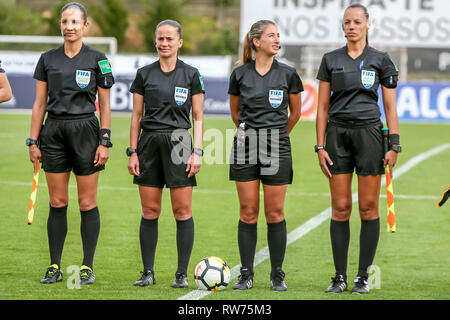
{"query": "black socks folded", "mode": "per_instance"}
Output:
(370, 233)
(148, 236)
(340, 239)
(56, 231)
(276, 240)
(185, 242)
(247, 238)
(90, 229)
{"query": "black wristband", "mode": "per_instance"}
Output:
(105, 134)
(105, 143)
(394, 138)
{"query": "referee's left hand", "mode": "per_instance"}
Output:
(193, 165)
(101, 156)
(390, 159)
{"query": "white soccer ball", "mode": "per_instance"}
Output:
(212, 274)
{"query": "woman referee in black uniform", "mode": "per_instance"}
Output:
(349, 136)
(68, 79)
(161, 150)
(265, 106)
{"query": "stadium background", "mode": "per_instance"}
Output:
(416, 33)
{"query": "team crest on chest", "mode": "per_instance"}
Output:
(181, 95)
(275, 98)
(83, 78)
(367, 78)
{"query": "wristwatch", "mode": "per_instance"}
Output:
(317, 148)
(130, 151)
(30, 142)
(198, 151)
(396, 147)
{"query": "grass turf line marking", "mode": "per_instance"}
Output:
(317, 220)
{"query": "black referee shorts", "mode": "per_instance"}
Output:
(69, 143)
(355, 146)
(163, 157)
(266, 156)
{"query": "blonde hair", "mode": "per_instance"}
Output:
(256, 31)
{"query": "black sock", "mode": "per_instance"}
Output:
(148, 237)
(185, 242)
(276, 240)
(368, 241)
(340, 239)
(56, 231)
(90, 229)
(247, 238)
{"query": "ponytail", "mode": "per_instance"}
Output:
(247, 50)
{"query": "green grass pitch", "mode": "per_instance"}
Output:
(412, 263)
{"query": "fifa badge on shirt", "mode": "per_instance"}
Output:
(83, 78)
(367, 78)
(275, 98)
(180, 95)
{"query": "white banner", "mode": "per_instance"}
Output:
(399, 23)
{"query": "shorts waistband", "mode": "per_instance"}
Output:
(281, 130)
(354, 123)
(164, 130)
(82, 116)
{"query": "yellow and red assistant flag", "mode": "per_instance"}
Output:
(390, 202)
(34, 186)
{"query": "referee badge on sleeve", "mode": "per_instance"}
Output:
(367, 78)
(180, 95)
(275, 98)
(83, 78)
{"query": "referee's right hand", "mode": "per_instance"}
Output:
(35, 155)
(324, 161)
(133, 164)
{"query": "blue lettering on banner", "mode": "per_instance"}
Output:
(422, 102)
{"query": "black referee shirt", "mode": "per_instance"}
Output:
(167, 95)
(72, 82)
(263, 100)
(354, 83)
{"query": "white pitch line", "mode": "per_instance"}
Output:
(317, 220)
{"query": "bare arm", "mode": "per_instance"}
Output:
(5, 88)
(295, 104)
(102, 153)
(135, 130)
(390, 109)
(37, 118)
(104, 107)
(194, 162)
(197, 116)
(321, 125)
(234, 109)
